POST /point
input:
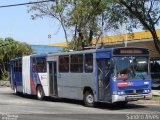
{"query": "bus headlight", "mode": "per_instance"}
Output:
(146, 83)
(146, 91)
(120, 93)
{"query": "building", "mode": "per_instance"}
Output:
(139, 39)
(45, 49)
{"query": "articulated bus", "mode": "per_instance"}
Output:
(112, 75)
(28, 75)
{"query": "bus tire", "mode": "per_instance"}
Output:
(89, 99)
(40, 93)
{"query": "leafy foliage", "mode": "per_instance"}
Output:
(136, 13)
(81, 17)
(9, 49)
(86, 19)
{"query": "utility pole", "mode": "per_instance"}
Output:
(126, 36)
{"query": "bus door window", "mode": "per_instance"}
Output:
(100, 78)
(53, 78)
(103, 78)
(107, 71)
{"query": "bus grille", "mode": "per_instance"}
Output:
(133, 92)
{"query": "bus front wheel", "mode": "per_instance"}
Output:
(89, 99)
(40, 93)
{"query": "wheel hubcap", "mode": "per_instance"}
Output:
(15, 90)
(39, 93)
(90, 98)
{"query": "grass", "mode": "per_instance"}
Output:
(156, 98)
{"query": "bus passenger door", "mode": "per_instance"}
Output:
(53, 78)
(103, 66)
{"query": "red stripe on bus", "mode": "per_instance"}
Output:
(33, 86)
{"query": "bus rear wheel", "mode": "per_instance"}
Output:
(89, 99)
(40, 93)
(15, 89)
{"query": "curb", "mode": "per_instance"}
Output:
(148, 101)
(145, 102)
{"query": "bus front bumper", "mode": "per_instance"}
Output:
(118, 98)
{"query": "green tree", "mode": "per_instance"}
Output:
(85, 20)
(9, 49)
(136, 13)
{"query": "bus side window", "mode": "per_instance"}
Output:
(77, 63)
(88, 63)
(20, 65)
(64, 63)
(39, 65)
(33, 65)
(16, 66)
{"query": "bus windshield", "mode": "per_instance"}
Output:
(131, 67)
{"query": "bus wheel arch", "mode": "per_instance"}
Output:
(88, 97)
(39, 92)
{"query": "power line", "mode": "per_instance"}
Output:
(28, 3)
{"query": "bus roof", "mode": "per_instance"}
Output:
(33, 55)
(91, 51)
(80, 52)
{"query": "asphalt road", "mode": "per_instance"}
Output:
(19, 107)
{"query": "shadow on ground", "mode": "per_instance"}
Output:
(108, 106)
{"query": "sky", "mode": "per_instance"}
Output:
(16, 22)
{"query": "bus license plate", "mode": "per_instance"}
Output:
(128, 98)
